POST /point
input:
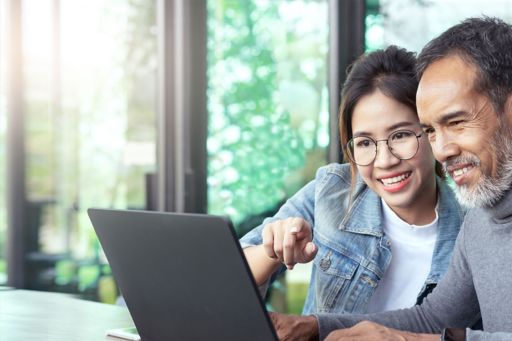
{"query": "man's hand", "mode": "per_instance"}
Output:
(295, 328)
(370, 331)
(289, 241)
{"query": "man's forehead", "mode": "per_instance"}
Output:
(447, 72)
(446, 86)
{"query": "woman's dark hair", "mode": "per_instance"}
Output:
(391, 71)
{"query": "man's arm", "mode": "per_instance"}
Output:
(305, 328)
(478, 335)
(370, 331)
(295, 328)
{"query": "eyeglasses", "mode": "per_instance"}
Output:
(403, 144)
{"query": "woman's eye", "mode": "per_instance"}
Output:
(401, 135)
(363, 144)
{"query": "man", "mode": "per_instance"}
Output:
(464, 103)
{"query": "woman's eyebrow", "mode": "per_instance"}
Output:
(404, 124)
(361, 133)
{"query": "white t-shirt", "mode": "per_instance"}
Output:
(412, 247)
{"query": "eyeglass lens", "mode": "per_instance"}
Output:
(403, 144)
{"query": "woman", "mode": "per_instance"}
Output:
(379, 230)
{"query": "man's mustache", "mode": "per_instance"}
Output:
(460, 160)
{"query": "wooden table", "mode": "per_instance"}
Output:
(31, 315)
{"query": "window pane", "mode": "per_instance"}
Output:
(268, 113)
(3, 115)
(90, 130)
(267, 103)
(412, 23)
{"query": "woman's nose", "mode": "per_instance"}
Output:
(384, 157)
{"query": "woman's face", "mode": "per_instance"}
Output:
(403, 184)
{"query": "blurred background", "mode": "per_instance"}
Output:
(219, 106)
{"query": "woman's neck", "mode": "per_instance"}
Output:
(423, 211)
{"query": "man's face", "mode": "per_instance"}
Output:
(465, 132)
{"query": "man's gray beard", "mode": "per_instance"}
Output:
(488, 190)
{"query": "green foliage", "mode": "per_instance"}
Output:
(65, 272)
(255, 142)
(296, 296)
(88, 276)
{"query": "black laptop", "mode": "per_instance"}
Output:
(183, 276)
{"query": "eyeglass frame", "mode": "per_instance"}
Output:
(376, 143)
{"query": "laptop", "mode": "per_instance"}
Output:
(183, 276)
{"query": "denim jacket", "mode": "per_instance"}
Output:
(353, 252)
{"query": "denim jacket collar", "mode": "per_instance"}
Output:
(365, 214)
(365, 217)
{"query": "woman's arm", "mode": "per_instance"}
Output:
(262, 266)
(263, 260)
(287, 241)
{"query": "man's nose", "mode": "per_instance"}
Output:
(384, 157)
(445, 147)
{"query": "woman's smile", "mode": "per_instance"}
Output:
(396, 182)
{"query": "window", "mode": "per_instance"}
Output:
(89, 101)
(412, 23)
(268, 111)
(267, 104)
(90, 131)
(3, 114)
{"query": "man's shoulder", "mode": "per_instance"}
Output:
(475, 222)
(475, 215)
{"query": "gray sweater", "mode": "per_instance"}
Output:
(478, 283)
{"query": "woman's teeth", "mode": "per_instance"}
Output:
(394, 180)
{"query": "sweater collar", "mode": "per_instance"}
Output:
(502, 210)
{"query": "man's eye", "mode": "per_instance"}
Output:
(429, 131)
(455, 123)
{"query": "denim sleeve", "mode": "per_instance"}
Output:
(301, 205)
(453, 303)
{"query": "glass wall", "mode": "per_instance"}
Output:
(90, 108)
(412, 23)
(3, 115)
(268, 111)
(267, 103)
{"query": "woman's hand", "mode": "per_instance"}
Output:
(289, 241)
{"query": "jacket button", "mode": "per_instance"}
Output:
(325, 263)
